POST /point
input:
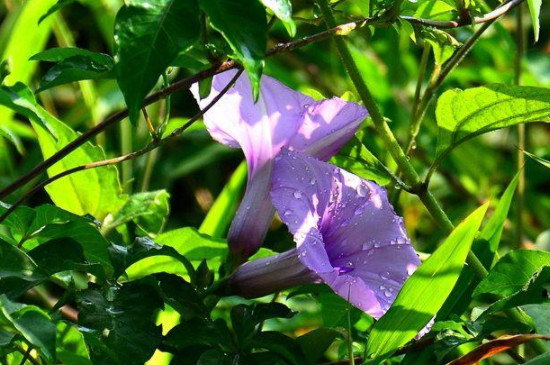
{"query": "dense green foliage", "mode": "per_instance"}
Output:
(124, 260)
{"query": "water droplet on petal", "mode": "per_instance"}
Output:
(312, 181)
(297, 194)
(387, 293)
(362, 190)
(287, 212)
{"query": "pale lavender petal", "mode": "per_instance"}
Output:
(260, 128)
(345, 229)
(280, 118)
(326, 126)
(269, 275)
(253, 216)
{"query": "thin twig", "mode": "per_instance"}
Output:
(153, 145)
(464, 21)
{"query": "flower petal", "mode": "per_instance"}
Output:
(326, 126)
(260, 128)
(345, 229)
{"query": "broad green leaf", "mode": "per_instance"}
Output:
(485, 247)
(543, 359)
(148, 210)
(199, 332)
(540, 314)
(148, 37)
(245, 318)
(15, 263)
(33, 227)
(512, 272)
(219, 216)
(356, 158)
(279, 344)
(181, 296)
(244, 26)
(143, 248)
(282, 10)
(315, 343)
(335, 310)
(464, 114)
(534, 291)
(534, 9)
(58, 6)
(187, 242)
(118, 323)
(21, 44)
(33, 324)
(73, 64)
(416, 303)
(96, 191)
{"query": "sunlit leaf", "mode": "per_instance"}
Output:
(416, 303)
(96, 191)
(464, 114)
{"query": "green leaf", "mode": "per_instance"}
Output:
(148, 37)
(356, 158)
(245, 318)
(148, 210)
(119, 322)
(73, 64)
(181, 296)
(464, 114)
(543, 359)
(315, 343)
(540, 160)
(59, 5)
(279, 344)
(187, 242)
(245, 29)
(282, 10)
(218, 219)
(33, 324)
(335, 309)
(18, 44)
(15, 263)
(199, 332)
(512, 272)
(534, 9)
(47, 223)
(95, 191)
(142, 248)
(534, 291)
(415, 304)
(485, 247)
(443, 44)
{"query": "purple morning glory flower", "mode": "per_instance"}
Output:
(346, 232)
(280, 118)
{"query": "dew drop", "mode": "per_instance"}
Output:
(362, 190)
(312, 181)
(297, 194)
(387, 293)
(287, 212)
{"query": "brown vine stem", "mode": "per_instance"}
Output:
(151, 146)
(342, 29)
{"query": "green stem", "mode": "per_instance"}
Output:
(520, 51)
(415, 119)
(393, 147)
